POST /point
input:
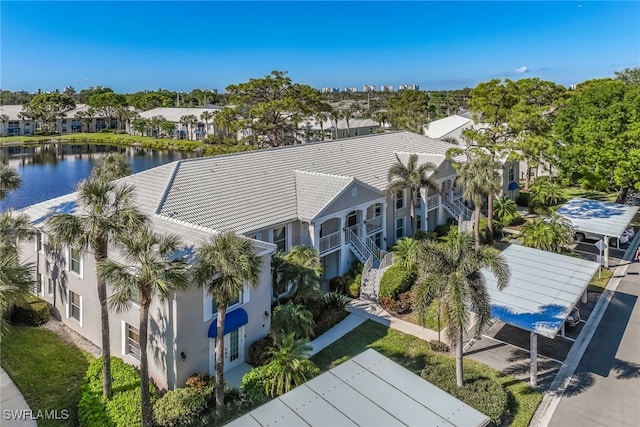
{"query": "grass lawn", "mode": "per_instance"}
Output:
(571, 192)
(598, 284)
(414, 354)
(431, 320)
(47, 370)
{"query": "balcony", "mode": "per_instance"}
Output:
(457, 192)
(433, 201)
(329, 242)
(374, 224)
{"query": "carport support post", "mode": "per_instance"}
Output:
(533, 352)
(584, 297)
(606, 251)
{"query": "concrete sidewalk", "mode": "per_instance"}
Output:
(338, 331)
(375, 312)
(12, 400)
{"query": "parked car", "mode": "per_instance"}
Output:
(573, 318)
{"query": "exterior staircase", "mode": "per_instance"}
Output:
(375, 261)
(458, 210)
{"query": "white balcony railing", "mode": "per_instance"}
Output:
(457, 192)
(433, 201)
(374, 224)
(329, 242)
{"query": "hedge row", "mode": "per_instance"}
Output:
(33, 311)
(395, 281)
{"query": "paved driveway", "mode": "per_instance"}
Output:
(605, 390)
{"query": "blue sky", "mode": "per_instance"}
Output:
(179, 45)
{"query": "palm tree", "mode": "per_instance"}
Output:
(552, 234)
(112, 167)
(104, 210)
(335, 116)
(15, 280)
(480, 179)
(403, 252)
(14, 228)
(9, 180)
(320, 118)
(505, 210)
(451, 272)
(346, 115)
(292, 318)
(410, 177)
(188, 121)
(289, 365)
(206, 116)
(224, 264)
(304, 271)
(544, 193)
(151, 270)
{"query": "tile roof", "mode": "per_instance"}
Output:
(447, 126)
(11, 111)
(252, 190)
(315, 190)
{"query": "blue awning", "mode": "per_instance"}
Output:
(232, 321)
(513, 186)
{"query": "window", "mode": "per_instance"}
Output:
(280, 238)
(39, 281)
(75, 261)
(75, 306)
(377, 210)
(133, 342)
(419, 222)
(38, 241)
(511, 174)
(400, 199)
(399, 227)
(214, 306)
(50, 286)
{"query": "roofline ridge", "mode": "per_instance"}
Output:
(333, 175)
(168, 187)
(420, 153)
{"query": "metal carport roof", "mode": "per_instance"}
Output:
(598, 217)
(367, 390)
(543, 289)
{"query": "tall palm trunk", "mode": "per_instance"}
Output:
(412, 212)
(222, 311)
(490, 217)
(527, 177)
(459, 371)
(476, 223)
(100, 255)
(145, 396)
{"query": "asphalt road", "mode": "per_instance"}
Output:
(605, 389)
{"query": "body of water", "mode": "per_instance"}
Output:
(53, 170)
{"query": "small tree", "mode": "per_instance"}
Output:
(292, 318)
(289, 366)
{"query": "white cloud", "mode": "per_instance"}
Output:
(521, 70)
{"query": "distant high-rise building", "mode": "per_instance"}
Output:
(350, 89)
(329, 90)
(369, 88)
(214, 91)
(409, 87)
(386, 88)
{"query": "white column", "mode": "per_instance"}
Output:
(606, 251)
(363, 226)
(383, 241)
(314, 236)
(584, 297)
(533, 353)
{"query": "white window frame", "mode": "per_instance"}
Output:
(401, 228)
(125, 341)
(287, 234)
(397, 199)
(81, 267)
(81, 314)
(38, 242)
(207, 303)
(50, 286)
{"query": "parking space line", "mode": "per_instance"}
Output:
(524, 349)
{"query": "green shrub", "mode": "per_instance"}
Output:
(33, 311)
(338, 284)
(123, 409)
(182, 407)
(485, 394)
(395, 280)
(401, 305)
(259, 351)
(425, 235)
(442, 230)
(438, 346)
(328, 319)
(200, 381)
(333, 301)
(254, 385)
(353, 287)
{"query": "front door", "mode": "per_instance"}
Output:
(233, 351)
